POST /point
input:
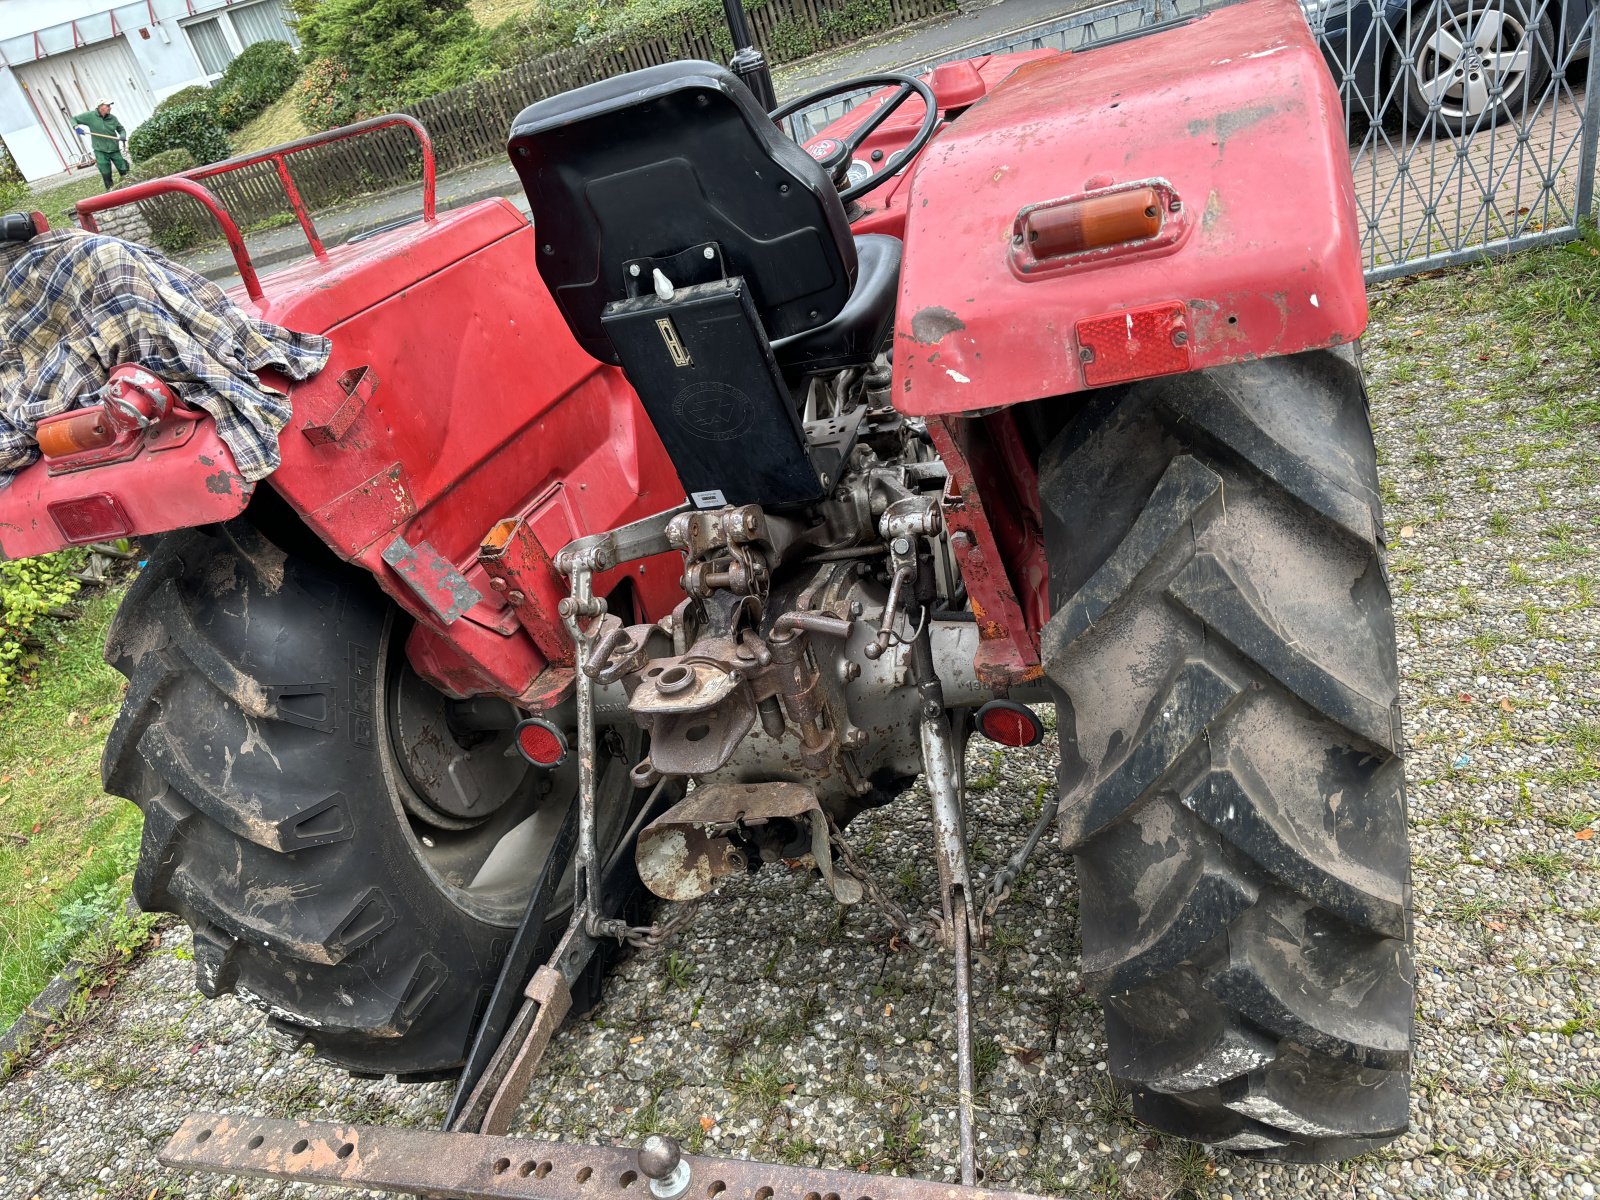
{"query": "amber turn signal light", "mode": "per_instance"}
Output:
(1093, 222)
(86, 429)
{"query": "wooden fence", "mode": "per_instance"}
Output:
(469, 124)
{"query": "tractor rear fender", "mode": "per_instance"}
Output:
(1228, 127)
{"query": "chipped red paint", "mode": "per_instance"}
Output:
(1008, 652)
(157, 490)
(485, 405)
(1235, 110)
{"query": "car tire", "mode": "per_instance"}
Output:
(1475, 63)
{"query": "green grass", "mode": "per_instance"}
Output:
(66, 848)
(1549, 303)
(56, 203)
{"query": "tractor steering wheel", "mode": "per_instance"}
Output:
(836, 155)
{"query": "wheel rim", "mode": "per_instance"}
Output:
(488, 867)
(1472, 61)
(528, 813)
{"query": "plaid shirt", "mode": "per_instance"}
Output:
(75, 305)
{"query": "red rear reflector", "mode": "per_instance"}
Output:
(541, 743)
(97, 518)
(1010, 723)
(1135, 344)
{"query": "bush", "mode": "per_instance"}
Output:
(193, 127)
(14, 194)
(377, 48)
(197, 93)
(261, 74)
(322, 97)
(159, 166)
(29, 589)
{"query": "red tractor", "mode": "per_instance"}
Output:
(657, 538)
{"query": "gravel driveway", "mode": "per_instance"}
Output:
(782, 1026)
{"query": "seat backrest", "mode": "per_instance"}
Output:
(643, 167)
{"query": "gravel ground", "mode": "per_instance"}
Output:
(783, 1027)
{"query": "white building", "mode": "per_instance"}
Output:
(57, 57)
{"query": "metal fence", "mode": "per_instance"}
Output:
(1473, 123)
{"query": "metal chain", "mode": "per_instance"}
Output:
(647, 937)
(997, 889)
(920, 934)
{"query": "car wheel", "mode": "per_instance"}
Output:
(1475, 62)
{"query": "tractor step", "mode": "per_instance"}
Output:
(475, 1166)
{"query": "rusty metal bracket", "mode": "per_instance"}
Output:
(522, 571)
(358, 384)
(1007, 653)
(433, 578)
(684, 852)
(479, 1167)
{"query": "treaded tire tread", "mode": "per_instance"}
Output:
(271, 829)
(1222, 649)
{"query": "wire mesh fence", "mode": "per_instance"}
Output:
(1473, 123)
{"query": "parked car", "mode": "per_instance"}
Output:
(1463, 64)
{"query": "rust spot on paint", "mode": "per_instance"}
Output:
(1235, 120)
(221, 483)
(934, 324)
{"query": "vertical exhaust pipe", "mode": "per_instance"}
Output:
(748, 63)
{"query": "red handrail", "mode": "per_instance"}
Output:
(188, 183)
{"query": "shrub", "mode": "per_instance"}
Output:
(194, 127)
(29, 589)
(260, 74)
(14, 192)
(381, 46)
(197, 93)
(323, 97)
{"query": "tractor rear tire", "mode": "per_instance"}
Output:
(1223, 653)
(259, 737)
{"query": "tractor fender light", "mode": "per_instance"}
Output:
(541, 743)
(75, 432)
(1010, 723)
(1092, 227)
(1093, 222)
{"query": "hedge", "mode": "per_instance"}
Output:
(193, 127)
(253, 80)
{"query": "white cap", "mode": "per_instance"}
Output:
(104, 102)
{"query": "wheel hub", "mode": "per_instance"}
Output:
(461, 776)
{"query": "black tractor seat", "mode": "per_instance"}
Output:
(687, 239)
(854, 335)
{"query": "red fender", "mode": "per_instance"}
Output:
(1230, 122)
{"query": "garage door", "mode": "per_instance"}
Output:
(65, 84)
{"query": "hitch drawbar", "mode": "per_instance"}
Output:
(475, 1166)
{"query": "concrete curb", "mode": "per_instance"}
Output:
(50, 1003)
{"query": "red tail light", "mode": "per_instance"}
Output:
(97, 518)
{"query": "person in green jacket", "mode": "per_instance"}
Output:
(107, 136)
